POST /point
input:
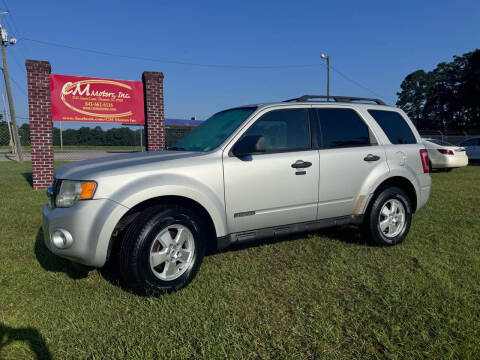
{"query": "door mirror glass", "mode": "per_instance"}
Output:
(248, 145)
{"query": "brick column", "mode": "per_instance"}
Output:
(154, 110)
(41, 127)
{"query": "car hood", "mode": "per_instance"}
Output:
(121, 164)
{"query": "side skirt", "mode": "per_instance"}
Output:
(286, 230)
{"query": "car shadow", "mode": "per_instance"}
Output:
(31, 336)
(53, 263)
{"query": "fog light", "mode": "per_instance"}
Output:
(62, 239)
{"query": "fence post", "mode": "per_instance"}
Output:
(41, 126)
(154, 111)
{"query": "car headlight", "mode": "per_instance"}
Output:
(71, 191)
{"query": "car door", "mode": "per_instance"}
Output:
(349, 153)
(271, 173)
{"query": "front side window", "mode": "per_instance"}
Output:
(212, 132)
(394, 126)
(343, 128)
(279, 131)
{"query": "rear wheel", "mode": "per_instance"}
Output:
(162, 250)
(390, 216)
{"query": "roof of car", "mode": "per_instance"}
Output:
(325, 100)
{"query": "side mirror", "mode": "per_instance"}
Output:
(249, 145)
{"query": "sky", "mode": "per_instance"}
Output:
(240, 52)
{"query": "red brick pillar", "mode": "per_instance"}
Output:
(41, 127)
(154, 110)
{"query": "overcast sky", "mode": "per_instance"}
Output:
(373, 44)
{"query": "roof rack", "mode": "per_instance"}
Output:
(335, 98)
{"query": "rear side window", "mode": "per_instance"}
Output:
(394, 126)
(282, 130)
(342, 128)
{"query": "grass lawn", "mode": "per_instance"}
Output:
(326, 295)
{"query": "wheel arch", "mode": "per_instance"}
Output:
(129, 217)
(397, 181)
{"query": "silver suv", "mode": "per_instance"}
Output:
(247, 173)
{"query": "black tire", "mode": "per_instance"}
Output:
(135, 248)
(371, 224)
(430, 168)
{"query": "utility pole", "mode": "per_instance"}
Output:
(61, 137)
(4, 41)
(7, 119)
(325, 57)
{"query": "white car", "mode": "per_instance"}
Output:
(444, 155)
(472, 146)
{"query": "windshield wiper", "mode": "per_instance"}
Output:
(175, 148)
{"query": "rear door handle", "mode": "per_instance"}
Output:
(371, 157)
(300, 164)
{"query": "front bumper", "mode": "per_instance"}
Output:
(90, 223)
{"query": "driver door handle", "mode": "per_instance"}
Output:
(300, 164)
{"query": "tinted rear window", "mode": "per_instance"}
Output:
(342, 128)
(394, 126)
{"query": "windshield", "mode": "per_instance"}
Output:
(212, 132)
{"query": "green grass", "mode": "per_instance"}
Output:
(327, 295)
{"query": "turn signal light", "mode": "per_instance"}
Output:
(88, 189)
(424, 158)
(445, 151)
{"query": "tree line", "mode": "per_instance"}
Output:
(446, 98)
(96, 136)
(83, 136)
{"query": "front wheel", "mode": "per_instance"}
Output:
(390, 216)
(163, 249)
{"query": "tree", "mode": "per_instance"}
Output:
(414, 95)
(446, 98)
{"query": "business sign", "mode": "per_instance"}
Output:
(86, 99)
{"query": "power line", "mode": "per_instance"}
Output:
(168, 61)
(15, 58)
(14, 26)
(360, 85)
(187, 63)
(14, 34)
(22, 89)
